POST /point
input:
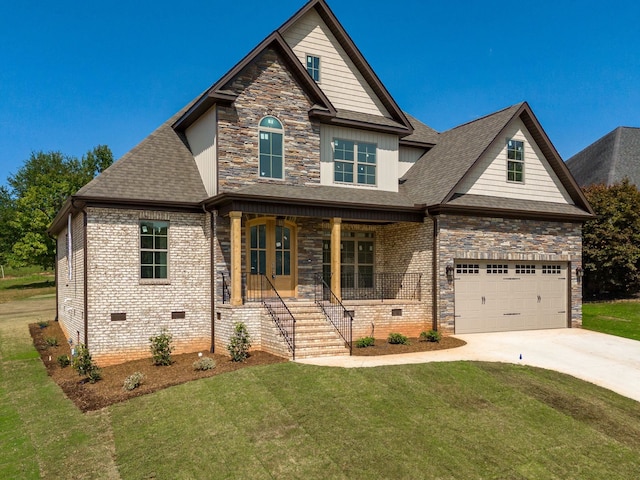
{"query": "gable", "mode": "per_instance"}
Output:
(340, 79)
(488, 177)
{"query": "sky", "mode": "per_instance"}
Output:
(77, 74)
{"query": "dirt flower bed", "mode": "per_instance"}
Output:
(110, 389)
(382, 347)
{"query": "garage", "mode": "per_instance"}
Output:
(495, 296)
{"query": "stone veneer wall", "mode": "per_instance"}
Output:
(70, 290)
(509, 239)
(265, 87)
(114, 285)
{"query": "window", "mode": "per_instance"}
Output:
(313, 67)
(468, 268)
(357, 254)
(154, 249)
(525, 269)
(497, 269)
(271, 148)
(354, 162)
(515, 161)
(258, 249)
(551, 269)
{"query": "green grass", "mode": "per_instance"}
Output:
(437, 420)
(615, 318)
(27, 285)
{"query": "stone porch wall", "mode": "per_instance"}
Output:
(114, 285)
(510, 239)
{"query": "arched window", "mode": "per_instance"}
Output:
(271, 148)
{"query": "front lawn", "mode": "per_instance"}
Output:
(620, 318)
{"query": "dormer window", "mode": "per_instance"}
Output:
(313, 67)
(515, 161)
(354, 162)
(271, 136)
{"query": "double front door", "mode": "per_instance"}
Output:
(272, 252)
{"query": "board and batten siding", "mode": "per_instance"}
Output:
(340, 80)
(386, 156)
(407, 158)
(489, 175)
(202, 141)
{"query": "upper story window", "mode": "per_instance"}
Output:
(271, 148)
(354, 162)
(515, 161)
(313, 67)
(154, 249)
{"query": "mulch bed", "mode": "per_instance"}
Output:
(109, 390)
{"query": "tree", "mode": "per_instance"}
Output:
(8, 234)
(38, 191)
(611, 242)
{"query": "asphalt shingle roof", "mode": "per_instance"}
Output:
(422, 133)
(609, 159)
(432, 178)
(516, 205)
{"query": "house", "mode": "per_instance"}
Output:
(609, 160)
(296, 196)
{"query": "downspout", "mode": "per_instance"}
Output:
(434, 272)
(85, 278)
(55, 273)
(212, 278)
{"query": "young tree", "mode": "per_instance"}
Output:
(38, 191)
(611, 242)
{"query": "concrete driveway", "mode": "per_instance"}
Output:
(608, 361)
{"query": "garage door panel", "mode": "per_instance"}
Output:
(503, 296)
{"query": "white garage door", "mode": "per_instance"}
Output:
(495, 296)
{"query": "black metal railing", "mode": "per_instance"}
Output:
(334, 310)
(280, 313)
(226, 292)
(381, 286)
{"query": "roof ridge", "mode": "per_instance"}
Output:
(485, 116)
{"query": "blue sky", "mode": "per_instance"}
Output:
(75, 74)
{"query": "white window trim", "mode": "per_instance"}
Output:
(306, 59)
(355, 182)
(154, 281)
(509, 160)
(272, 130)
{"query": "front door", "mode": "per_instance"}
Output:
(272, 252)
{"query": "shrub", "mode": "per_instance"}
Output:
(43, 324)
(204, 363)
(397, 339)
(365, 342)
(51, 341)
(133, 381)
(430, 336)
(84, 365)
(240, 343)
(64, 361)
(161, 348)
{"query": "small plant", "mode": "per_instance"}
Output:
(63, 361)
(397, 339)
(84, 365)
(133, 381)
(430, 336)
(240, 343)
(204, 363)
(365, 342)
(161, 348)
(51, 341)
(43, 324)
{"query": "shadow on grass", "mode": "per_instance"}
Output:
(30, 286)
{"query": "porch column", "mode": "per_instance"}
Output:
(335, 256)
(236, 257)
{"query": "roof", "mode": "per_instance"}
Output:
(422, 134)
(609, 160)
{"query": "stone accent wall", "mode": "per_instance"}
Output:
(510, 239)
(265, 87)
(71, 288)
(114, 285)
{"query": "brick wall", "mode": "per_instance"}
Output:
(71, 287)
(114, 285)
(265, 87)
(510, 239)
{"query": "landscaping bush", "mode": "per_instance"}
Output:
(240, 343)
(397, 339)
(430, 336)
(64, 361)
(365, 342)
(84, 365)
(133, 381)
(43, 324)
(51, 341)
(161, 348)
(204, 363)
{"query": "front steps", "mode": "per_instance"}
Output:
(315, 336)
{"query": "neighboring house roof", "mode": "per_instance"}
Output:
(433, 179)
(609, 160)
